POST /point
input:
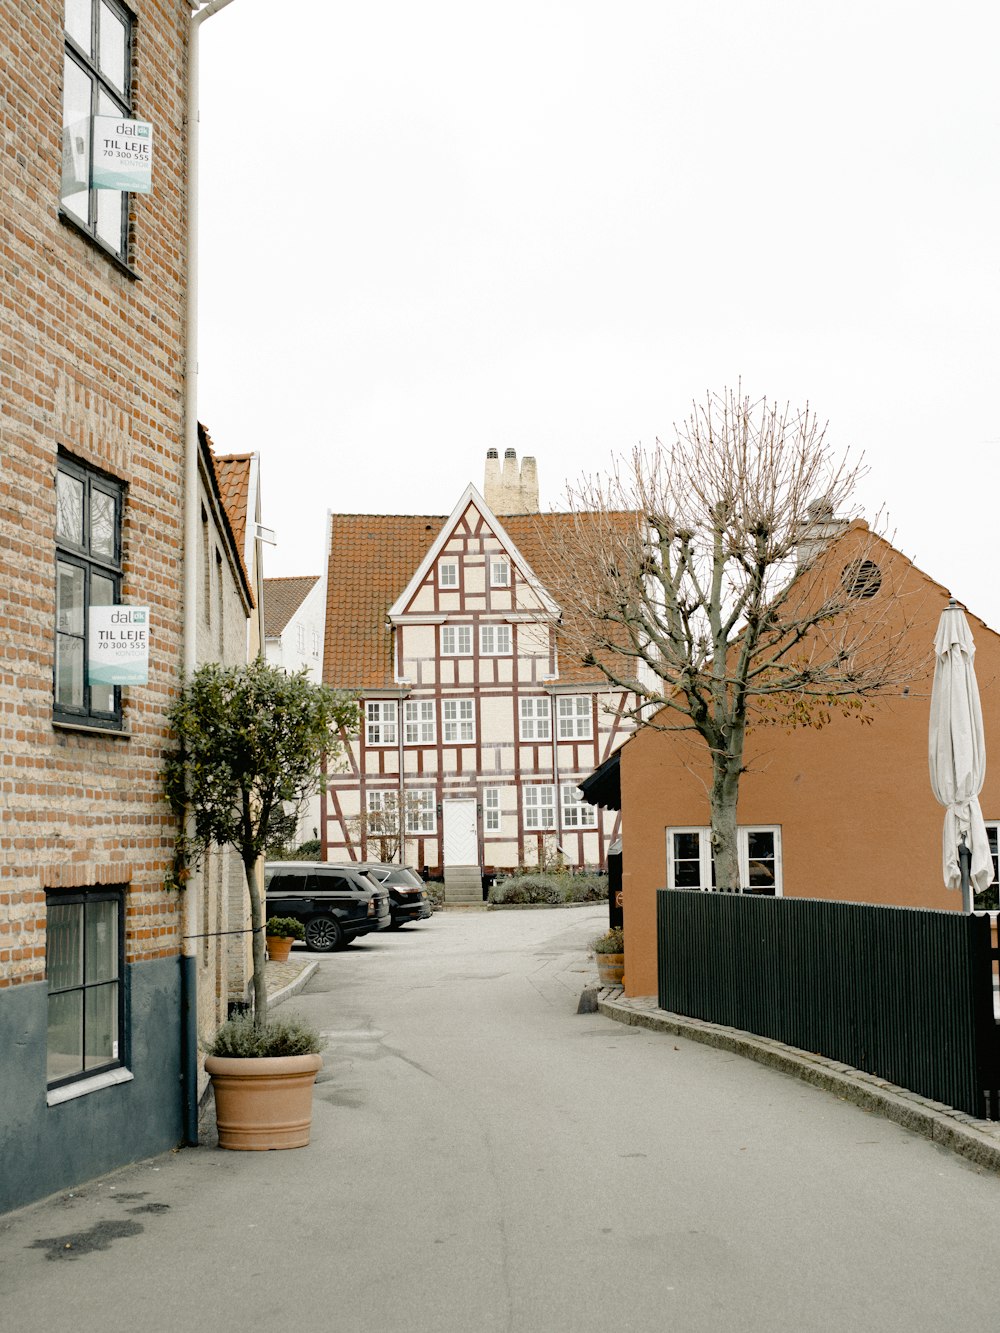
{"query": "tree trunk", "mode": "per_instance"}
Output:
(257, 944)
(725, 846)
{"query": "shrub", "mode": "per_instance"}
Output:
(612, 941)
(551, 888)
(239, 1037)
(284, 928)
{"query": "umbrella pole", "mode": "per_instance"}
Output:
(965, 864)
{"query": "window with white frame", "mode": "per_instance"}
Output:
(491, 809)
(576, 813)
(458, 720)
(419, 722)
(535, 718)
(539, 806)
(421, 811)
(300, 638)
(494, 640)
(380, 718)
(447, 573)
(575, 717)
(315, 643)
(989, 899)
(382, 807)
(456, 640)
(689, 859)
(499, 571)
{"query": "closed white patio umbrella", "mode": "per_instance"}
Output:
(958, 756)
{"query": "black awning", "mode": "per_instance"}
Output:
(604, 786)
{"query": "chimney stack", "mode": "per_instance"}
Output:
(513, 490)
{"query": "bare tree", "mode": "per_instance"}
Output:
(712, 581)
(380, 829)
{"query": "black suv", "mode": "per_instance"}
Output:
(408, 899)
(334, 903)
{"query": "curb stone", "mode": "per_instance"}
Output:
(976, 1140)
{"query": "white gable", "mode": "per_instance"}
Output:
(471, 499)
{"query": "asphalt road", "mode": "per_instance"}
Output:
(485, 1158)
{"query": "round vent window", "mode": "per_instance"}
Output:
(862, 579)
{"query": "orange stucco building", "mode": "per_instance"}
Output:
(844, 811)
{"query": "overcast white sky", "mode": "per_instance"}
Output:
(429, 229)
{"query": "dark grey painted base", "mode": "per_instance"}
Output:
(44, 1148)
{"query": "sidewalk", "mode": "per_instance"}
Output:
(978, 1140)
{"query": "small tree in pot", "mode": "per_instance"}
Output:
(250, 742)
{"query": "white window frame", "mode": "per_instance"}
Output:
(421, 811)
(315, 643)
(993, 833)
(495, 641)
(300, 638)
(575, 717)
(742, 850)
(419, 722)
(456, 640)
(451, 580)
(534, 717)
(539, 806)
(458, 721)
(376, 802)
(491, 809)
(499, 571)
(380, 721)
(576, 812)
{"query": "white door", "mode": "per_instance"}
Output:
(461, 833)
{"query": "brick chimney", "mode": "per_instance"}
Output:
(511, 490)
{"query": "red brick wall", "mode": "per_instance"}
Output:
(91, 359)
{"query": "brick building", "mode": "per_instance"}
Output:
(93, 398)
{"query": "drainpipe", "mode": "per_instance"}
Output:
(189, 943)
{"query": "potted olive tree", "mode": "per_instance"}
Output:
(249, 742)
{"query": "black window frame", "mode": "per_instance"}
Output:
(84, 898)
(89, 64)
(81, 556)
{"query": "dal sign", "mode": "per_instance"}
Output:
(123, 154)
(118, 645)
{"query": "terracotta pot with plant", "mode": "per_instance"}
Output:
(249, 744)
(263, 1078)
(609, 950)
(279, 932)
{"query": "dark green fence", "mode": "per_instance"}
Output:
(902, 993)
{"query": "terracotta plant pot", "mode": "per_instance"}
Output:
(278, 947)
(263, 1103)
(610, 968)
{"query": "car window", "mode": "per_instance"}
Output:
(405, 878)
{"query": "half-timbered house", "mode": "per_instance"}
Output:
(477, 721)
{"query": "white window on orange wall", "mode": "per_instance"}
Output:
(689, 859)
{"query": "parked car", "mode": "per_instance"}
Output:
(408, 900)
(334, 903)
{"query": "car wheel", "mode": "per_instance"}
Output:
(395, 925)
(323, 934)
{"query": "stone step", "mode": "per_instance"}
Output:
(463, 884)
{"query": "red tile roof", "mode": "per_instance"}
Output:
(234, 481)
(234, 516)
(282, 598)
(372, 559)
